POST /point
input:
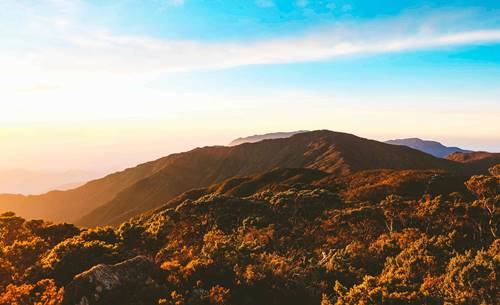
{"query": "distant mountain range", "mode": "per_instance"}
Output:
(267, 136)
(431, 147)
(122, 195)
(38, 182)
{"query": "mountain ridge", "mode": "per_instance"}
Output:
(121, 195)
(327, 151)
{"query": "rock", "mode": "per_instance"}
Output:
(134, 281)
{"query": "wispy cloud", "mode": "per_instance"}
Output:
(81, 53)
(144, 53)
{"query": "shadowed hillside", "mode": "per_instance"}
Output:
(369, 185)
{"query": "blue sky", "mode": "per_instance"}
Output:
(92, 75)
(250, 19)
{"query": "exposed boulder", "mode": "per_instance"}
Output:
(134, 281)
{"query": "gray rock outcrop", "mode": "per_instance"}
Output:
(134, 281)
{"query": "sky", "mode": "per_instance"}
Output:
(103, 85)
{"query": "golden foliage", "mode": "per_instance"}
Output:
(44, 292)
(297, 246)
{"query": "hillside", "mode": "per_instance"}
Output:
(327, 151)
(369, 185)
(267, 136)
(292, 243)
(431, 147)
(476, 160)
(473, 156)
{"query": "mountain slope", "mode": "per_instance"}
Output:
(70, 205)
(267, 136)
(369, 185)
(431, 147)
(296, 245)
(327, 151)
(476, 160)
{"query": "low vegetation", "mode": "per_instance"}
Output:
(301, 245)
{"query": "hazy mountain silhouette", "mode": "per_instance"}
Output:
(122, 195)
(27, 182)
(72, 204)
(431, 147)
(267, 136)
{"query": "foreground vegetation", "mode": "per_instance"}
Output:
(304, 245)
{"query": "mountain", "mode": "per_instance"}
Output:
(320, 217)
(120, 196)
(267, 136)
(431, 147)
(330, 152)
